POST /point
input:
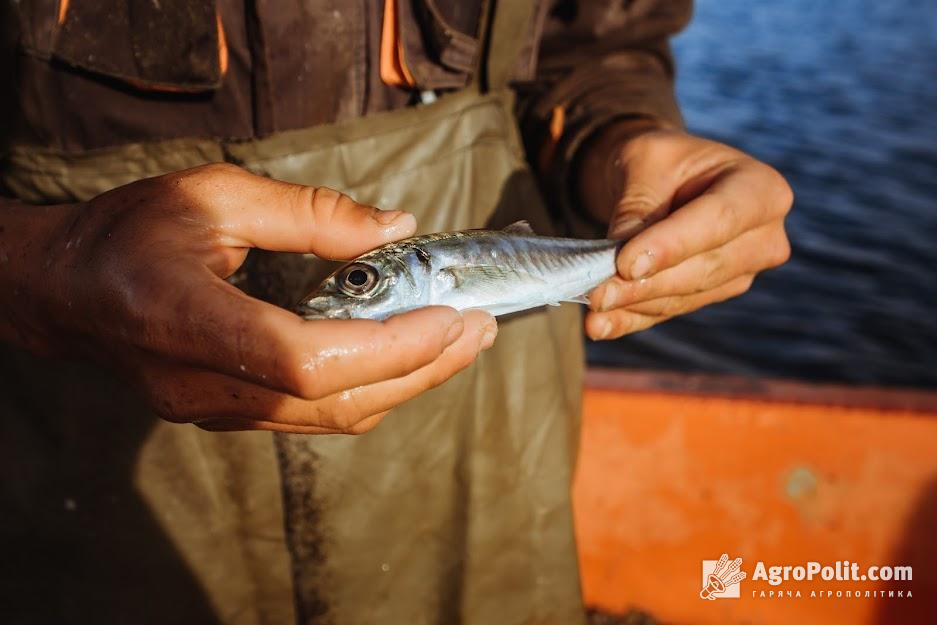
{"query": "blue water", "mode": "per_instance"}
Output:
(841, 97)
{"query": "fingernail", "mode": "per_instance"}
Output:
(386, 218)
(455, 331)
(610, 298)
(488, 336)
(625, 227)
(604, 329)
(642, 265)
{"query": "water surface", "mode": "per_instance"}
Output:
(841, 96)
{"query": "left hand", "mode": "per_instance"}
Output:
(705, 219)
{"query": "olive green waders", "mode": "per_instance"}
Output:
(455, 509)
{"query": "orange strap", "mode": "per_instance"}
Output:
(548, 150)
(394, 70)
(222, 46)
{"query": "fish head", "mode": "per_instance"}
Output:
(387, 281)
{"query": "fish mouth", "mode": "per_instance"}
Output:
(321, 310)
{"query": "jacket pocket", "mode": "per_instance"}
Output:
(451, 32)
(439, 41)
(171, 45)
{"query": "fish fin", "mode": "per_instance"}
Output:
(519, 227)
(581, 299)
(485, 273)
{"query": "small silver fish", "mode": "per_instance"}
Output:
(500, 271)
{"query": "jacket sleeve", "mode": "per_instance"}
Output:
(599, 60)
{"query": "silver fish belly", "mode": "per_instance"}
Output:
(500, 271)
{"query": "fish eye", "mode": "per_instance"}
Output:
(358, 279)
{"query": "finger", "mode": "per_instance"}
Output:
(743, 197)
(752, 252)
(254, 211)
(673, 305)
(183, 395)
(346, 408)
(213, 325)
(237, 425)
(622, 321)
(617, 323)
(243, 425)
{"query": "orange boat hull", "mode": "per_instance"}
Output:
(674, 470)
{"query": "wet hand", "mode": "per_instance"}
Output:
(137, 280)
(703, 219)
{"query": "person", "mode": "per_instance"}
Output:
(173, 173)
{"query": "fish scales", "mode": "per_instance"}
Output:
(501, 271)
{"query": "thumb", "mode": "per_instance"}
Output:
(649, 180)
(340, 228)
(644, 201)
(284, 217)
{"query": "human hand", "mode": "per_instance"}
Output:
(134, 277)
(705, 219)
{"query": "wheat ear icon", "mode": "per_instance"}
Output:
(722, 577)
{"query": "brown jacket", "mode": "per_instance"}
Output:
(460, 511)
(88, 75)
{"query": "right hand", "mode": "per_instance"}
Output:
(134, 277)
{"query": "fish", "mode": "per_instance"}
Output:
(500, 271)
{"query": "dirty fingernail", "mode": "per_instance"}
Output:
(609, 299)
(454, 331)
(625, 227)
(488, 336)
(386, 218)
(642, 265)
